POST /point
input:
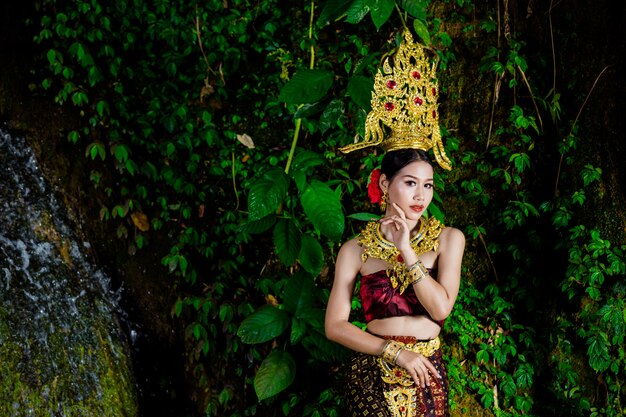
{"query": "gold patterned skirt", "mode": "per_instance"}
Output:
(376, 389)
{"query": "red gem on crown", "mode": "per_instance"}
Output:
(434, 91)
(391, 84)
(389, 106)
(418, 101)
(400, 258)
(398, 374)
(416, 75)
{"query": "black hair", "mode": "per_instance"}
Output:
(394, 161)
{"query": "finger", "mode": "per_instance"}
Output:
(422, 376)
(401, 212)
(432, 368)
(416, 378)
(425, 379)
(395, 220)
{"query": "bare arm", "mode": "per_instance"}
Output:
(337, 323)
(438, 296)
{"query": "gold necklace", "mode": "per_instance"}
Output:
(376, 246)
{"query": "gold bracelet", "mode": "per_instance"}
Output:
(385, 348)
(415, 275)
(415, 265)
(391, 351)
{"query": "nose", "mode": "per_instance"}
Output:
(419, 195)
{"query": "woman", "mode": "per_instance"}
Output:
(409, 268)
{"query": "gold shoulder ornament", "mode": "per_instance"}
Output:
(376, 246)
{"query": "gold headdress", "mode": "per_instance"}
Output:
(405, 101)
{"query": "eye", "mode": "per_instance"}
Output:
(411, 183)
(428, 185)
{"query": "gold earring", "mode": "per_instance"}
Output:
(383, 201)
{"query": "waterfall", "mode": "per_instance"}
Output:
(62, 351)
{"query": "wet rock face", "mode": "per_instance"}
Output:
(62, 351)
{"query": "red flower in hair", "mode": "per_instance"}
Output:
(373, 189)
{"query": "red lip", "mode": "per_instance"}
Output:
(417, 208)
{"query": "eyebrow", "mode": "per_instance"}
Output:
(416, 178)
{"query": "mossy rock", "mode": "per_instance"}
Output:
(62, 348)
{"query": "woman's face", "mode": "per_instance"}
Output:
(411, 189)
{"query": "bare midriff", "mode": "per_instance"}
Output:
(420, 327)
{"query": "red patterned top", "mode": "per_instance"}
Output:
(380, 300)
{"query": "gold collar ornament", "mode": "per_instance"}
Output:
(376, 246)
(404, 100)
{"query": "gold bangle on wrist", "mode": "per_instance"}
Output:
(415, 265)
(391, 351)
(417, 272)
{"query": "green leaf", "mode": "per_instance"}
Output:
(102, 107)
(590, 174)
(422, 31)
(332, 10)
(308, 110)
(445, 39)
(277, 372)
(299, 177)
(323, 207)
(305, 159)
(120, 152)
(267, 193)
(416, 8)
(264, 324)
(487, 398)
(366, 217)
(311, 255)
(226, 313)
(299, 293)
(380, 10)
(258, 226)
(287, 241)
(96, 149)
(314, 317)
(323, 349)
(178, 307)
(524, 376)
(598, 352)
(507, 386)
(150, 170)
(521, 161)
(298, 330)
(357, 11)
(79, 98)
(436, 212)
(331, 115)
(306, 86)
(360, 90)
(53, 56)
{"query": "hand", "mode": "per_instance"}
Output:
(400, 230)
(418, 366)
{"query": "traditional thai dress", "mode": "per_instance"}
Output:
(378, 389)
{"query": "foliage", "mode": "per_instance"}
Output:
(189, 110)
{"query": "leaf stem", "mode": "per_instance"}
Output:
(296, 132)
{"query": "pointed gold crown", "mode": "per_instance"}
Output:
(405, 101)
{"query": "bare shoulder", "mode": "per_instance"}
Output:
(451, 236)
(349, 258)
(351, 248)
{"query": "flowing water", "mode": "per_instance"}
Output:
(62, 352)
